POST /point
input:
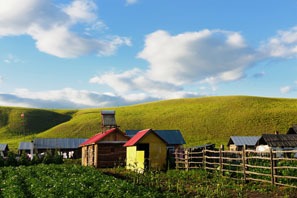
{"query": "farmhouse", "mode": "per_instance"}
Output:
(104, 149)
(279, 141)
(236, 143)
(69, 147)
(146, 150)
(4, 150)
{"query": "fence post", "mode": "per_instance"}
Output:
(176, 158)
(187, 159)
(272, 166)
(204, 159)
(244, 162)
(221, 160)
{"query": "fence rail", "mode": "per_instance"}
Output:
(275, 167)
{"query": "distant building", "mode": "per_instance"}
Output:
(68, 147)
(4, 150)
(25, 147)
(236, 143)
(283, 141)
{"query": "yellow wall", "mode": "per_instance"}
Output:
(135, 159)
(157, 151)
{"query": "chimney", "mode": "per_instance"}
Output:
(108, 120)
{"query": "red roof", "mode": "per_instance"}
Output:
(98, 137)
(138, 136)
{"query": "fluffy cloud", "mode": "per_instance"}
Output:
(195, 56)
(283, 45)
(51, 27)
(176, 61)
(134, 84)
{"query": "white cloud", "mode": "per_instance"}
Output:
(11, 59)
(51, 27)
(1, 79)
(286, 89)
(81, 11)
(129, 2)
(194, 56)
(176, 61)
(283, 45)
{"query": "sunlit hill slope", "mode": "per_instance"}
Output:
(201, 120)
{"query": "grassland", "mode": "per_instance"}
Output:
(201, 120)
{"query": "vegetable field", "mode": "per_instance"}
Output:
(73, 181)
(67, 181)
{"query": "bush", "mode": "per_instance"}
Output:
(57, 158)
(1, 161)
(48, 158)
(24, 160)
(11, 159)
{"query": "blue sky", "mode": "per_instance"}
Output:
(106, 53)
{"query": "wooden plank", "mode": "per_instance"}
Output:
(254, 166)
(255, 173)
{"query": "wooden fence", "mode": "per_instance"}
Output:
(275, 167)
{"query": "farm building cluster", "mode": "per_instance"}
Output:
(141, 149)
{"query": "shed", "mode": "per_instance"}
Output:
(105, 149)
(4, 150)
(236, 143)
(283, 141)
(25, 147)
(146, 150)
(68, 146)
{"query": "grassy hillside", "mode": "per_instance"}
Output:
(201, 120)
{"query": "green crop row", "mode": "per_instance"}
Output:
(67, 181)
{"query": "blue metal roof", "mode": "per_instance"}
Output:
(3, 147)
(172, 137)
(24, 146)
(58, 143)
(244, 140)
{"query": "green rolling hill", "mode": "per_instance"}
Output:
(201, 120)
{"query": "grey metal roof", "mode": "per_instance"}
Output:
(24, 146)
(172, 137)
(3, 147)
(205, 146)
(279, 140)
(110, 112)
(244, 140)
(58, 143)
